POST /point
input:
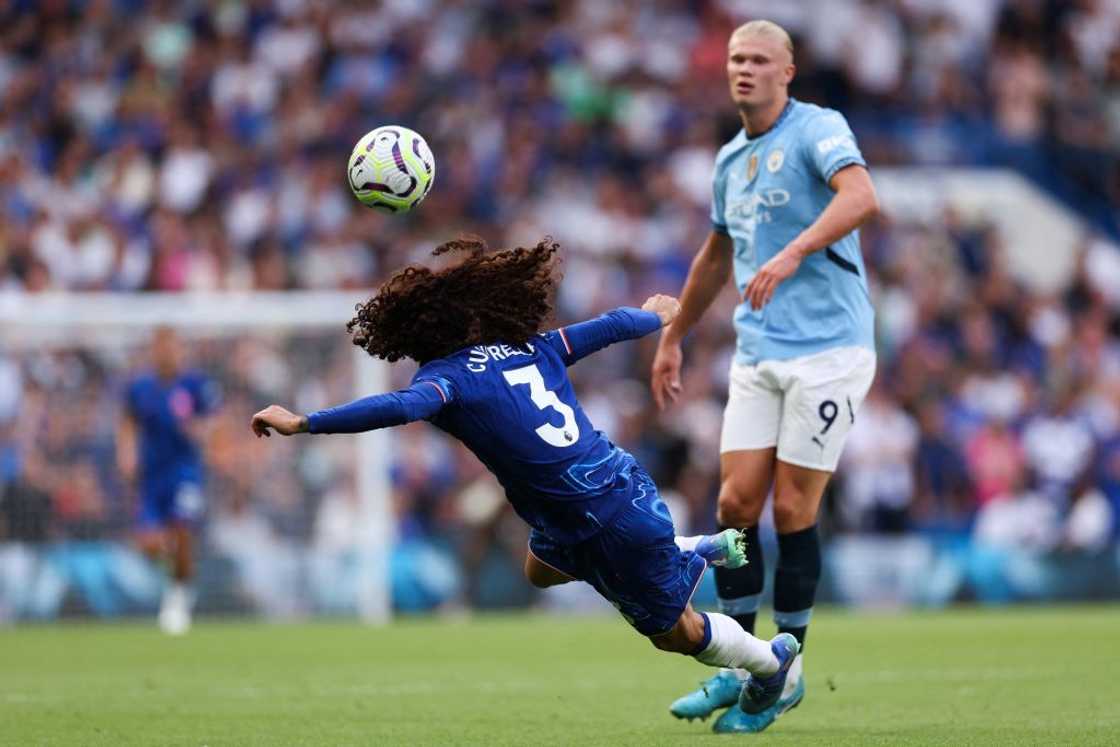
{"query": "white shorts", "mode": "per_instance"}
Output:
(804, 406)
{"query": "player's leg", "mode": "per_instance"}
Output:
(185, 510)
(746, 484)
(719, 641)
(725, 549)
(823, 395)
(150, 536)
(175, 607)
(541, 574)
(548, 563)
(748, 441)
(636, 565)
(182, 552)
(151, 541)
(797, 499)
(747, 448)
(746, 476)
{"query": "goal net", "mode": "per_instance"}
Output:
(292, 526)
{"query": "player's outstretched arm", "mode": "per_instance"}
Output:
(854, 203)
(711, 267)
(580, 340)
(420, 401)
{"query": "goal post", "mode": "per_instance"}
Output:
(114, 327)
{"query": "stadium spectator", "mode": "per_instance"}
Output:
(878, 467)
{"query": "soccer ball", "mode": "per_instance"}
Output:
(391, 168)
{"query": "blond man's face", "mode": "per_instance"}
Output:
(759, 68)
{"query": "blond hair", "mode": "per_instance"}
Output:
(766, 28)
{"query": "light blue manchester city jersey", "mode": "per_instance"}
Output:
(767, 190)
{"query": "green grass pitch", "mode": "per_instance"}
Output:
(1013, 676)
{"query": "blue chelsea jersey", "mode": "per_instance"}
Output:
(514, 407)
(767, 190)
(160, 408)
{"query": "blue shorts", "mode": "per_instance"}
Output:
(633, 561)
(177, 502)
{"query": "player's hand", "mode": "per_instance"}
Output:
(665, 376)
(282, 421)
(765, 281)
(666, 307)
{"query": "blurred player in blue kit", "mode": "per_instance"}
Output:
(160, 446)
(789, 192)
(492, 379)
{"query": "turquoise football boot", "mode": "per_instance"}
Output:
(728, 549)
(735, 721)
(760, 693)
(719, 691)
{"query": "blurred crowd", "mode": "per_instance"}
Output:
(193, 145)
(178, 146)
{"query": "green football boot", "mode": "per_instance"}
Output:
(728, 549)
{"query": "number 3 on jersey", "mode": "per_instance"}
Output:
(565, 435)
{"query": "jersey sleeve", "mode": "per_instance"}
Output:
(422, 400)
(580, 340)
(830, 144)
(437, 377)
(719, 184)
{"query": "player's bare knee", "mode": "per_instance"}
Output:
(793, 511)
(786, 512)
(733, 509)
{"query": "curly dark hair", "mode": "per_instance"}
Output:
(489, 297)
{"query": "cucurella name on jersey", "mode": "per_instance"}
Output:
(480, 355)
(769, 188)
